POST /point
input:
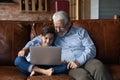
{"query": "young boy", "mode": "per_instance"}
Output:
(45, 39)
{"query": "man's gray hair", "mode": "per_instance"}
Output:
(61, 15)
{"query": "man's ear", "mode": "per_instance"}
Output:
(40, 35)
(69, 24)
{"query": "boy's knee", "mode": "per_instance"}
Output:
(18, 60)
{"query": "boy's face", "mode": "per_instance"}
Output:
(47, 40)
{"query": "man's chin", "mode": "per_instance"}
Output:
(61, 34)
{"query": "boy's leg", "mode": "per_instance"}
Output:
(60, 69)
(23, 64)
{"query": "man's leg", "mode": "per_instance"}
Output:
(97, 70)
(80, 74)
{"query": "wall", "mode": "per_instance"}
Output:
(109, 8)
(89, 9)
(11, 11)
(94, 9)
(99, 9)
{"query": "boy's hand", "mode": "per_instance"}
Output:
(21, 53)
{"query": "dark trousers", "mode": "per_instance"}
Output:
(92, 70)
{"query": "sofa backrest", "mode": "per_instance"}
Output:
(13, 36)
(106, 36)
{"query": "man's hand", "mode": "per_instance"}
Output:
(73, 65)
(63, 61)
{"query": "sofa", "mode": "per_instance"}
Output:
(15, 34)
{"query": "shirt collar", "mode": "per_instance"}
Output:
(69, 32)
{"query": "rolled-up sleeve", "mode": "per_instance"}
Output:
(34, 42)
(89, 50)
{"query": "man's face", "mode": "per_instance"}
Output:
(60, 27)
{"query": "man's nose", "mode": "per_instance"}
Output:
(57, 29)
(48, 40)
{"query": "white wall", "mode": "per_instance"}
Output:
(94, 9)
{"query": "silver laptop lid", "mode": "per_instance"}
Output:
(45, 55)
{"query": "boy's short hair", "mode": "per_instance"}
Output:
(47, 29)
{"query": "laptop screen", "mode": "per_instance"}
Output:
(45, 55)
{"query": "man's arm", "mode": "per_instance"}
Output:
(89, 51)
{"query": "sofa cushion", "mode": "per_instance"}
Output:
(53, 77)
(115, 71)
(11, 73)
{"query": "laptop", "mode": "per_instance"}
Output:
(45, 55)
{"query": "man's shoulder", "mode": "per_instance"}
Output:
(78, 29)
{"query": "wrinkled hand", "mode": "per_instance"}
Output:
(73, 65)
(21, 53)
(63, 61)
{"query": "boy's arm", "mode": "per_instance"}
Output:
(23, 52)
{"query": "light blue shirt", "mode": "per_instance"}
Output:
(34, 42)
(76, 45)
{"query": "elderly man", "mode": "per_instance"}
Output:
(78, 50)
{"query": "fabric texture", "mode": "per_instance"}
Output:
(76, 45)
(92, 70)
